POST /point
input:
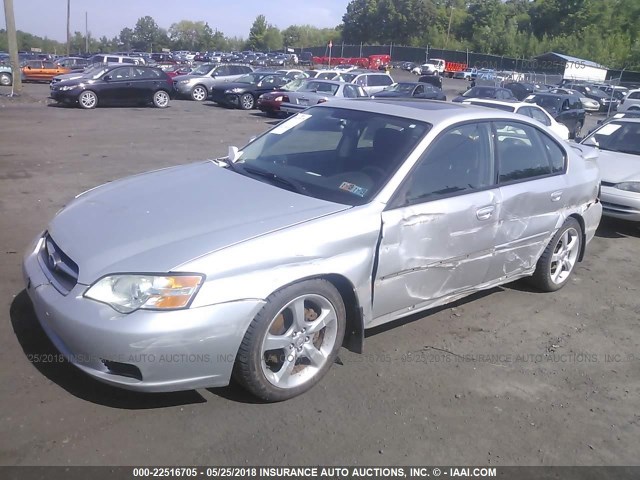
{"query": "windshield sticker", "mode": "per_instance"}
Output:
(289, 124)
(608, 129)
(351, 188)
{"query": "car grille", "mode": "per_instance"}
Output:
(61, 271)
(619, 209)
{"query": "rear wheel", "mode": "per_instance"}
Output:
(559, 258)
(161, 99)
(246, 101)
(88, 100)
(6, 79)
(199, 93)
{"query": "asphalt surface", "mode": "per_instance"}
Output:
(506, 377)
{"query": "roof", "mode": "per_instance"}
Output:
(569, 58)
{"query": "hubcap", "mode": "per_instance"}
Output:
(564, 256)
(88, 99)
(247, 101)
(161, 99)
(299, 341)
(199, 94)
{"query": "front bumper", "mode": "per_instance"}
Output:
(219, 96)
(66, 96)
(621, 204)
(146, 350)
(183, 88)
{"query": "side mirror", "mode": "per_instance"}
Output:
(234, 154)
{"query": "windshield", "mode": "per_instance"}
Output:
(401, 87)
(320, 87)
(294, 85)
(480, 92)
(251, 78)
(619, 137)
(544, 101)
(339, 155)
(202, 69)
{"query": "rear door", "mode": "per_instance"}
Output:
(531, 168)
(438, 233)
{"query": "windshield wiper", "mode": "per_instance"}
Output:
(292, 184)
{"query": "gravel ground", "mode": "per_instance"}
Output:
(506, 377)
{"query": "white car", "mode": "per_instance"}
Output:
(630, 102)
(527, 109)
(619, 162)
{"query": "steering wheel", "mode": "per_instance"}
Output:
(376, 173)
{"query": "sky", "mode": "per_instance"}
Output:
(107, 17)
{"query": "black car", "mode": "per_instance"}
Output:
(522, 90)
(244, 92)
(565, 108)
(606, 103)
(435, 80)
(116, 85)
(496, 93)
(411, 90)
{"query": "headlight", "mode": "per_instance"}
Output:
(126, 293)
(234, 90)
(67, 87)
(629, 186)
(184, 82)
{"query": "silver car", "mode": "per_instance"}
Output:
(198, 83)
(619, 143)
(262, 264)
(319, 91)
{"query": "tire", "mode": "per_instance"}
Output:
(305, 324)
(161, 99)
(246, 101)
(199, 93)
(88, 100)
(558, 260)
(6, 79)
(578, 130)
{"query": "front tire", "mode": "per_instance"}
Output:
(88, 100)
(161, 99)
(247, 101)
(559, 258)
(6, 79)
(292, 342)
(199, 93)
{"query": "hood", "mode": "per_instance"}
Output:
(616, 167)
(156, 221)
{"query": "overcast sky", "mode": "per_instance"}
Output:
(108, 17)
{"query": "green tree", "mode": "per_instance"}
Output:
(257, 33)
(146, 33)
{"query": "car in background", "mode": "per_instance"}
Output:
(244, 92)
(564, 108)
(93, 71)
(305, 58)
(163, 58)
(118, 85)
(278, 61)
(373, 82)
(619, 160)
(270, 102)
(41, 70)
(315, 232)
(345, 67)
(631, 101)
(466, 74)
(6, 75)
(618, 92)
(112, 58)
(319, 91)
(411, 90)
(606, 103)
(435, 80)
(292, 73)
(522, 90)
(588, 104)
(326, 74)
(199, 83)
(496, 93)
(173, 70)
(73, 63)
(528, 109)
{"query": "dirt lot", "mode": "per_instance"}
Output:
(508, 377)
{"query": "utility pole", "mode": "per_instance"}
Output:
(68, 27)
(449, 28)
(86, 32)
(13, 46)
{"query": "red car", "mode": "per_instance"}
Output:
(269, 102)
(175, 70)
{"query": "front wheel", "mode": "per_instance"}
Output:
(161, 99)
(246, 101)
(5, 79)
(292, 342)
(559, 258)
(199, 93)
(88, 100)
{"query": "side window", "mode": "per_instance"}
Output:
(379, 81)
(539, 115)
(222, 71)
(419, 90)
(121, 73)
(350, 91)
(555, 154)
(458, 161)
(112, 60)
(634, 95)
(521, 153)
(362, 81)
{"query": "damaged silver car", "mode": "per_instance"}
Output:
(261, 265)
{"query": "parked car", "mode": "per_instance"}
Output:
(270, 102)
(244, 92)
(618, 92)
(435, 80)
(319, 91)
(316, 230)
(466, 74)
(565, 109)
(117, 85)
(73, 63)
(631, 101)
(173, 70)
(326, 74)
(41, 71)
(292, 73)
(199, 83)
(6, 75)
(305, 58)
(496, 93)
(588, 104)
(373, 82)
(619, 161)
(522, 90)
(411, 90)
(163, 58)
(530, 110)
(606, 102)
(92, 72)
(113, 58)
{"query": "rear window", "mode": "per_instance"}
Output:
(379, 80)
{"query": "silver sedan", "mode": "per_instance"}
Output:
(262, 264)
(319, 91)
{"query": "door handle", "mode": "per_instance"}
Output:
(485, 213)
(555, 196)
